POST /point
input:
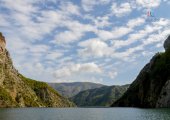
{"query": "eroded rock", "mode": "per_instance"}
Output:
(167, 43)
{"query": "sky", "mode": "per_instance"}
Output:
(101, 41)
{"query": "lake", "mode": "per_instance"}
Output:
(84, 114)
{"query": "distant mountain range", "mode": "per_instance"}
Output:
(71, 89)
(103, 96)
(152, 86)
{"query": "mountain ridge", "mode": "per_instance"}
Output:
(151, 88)
(71, 89)
(103, 96)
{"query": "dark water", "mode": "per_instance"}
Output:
(84, 114)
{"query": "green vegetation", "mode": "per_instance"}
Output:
(162, 65)
(19, 91)
(71, 89)
(146, 89)
(43, 92)
(103, 96)
(4, 95)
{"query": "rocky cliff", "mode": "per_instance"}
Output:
(2, 43)
(19, 91)
(152, 86)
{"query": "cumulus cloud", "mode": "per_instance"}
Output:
(121, 10)
(94, 47)
(70, 8)
(67, 37)
(149, 3)
(141, 34)
(101, 22)
(115, 33)
(77, 69)
(120, 31)
(76, 31)
(88, 5)
(135, 22)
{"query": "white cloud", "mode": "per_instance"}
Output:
(94, 47)
(141, 34)
(76, 31)
(88, 5)
(38, 48)
(53, 55)
(101, 22)
(135, 22)
(20, 6)
(112, 74)
(117, 32)
(70, 8)
(162, 22)
(156, 38)
(121, 10)
(33, 21)
(77, 69)
(148, 3)
(105, 35)
(120, 31)
(160, 30)
(68, 37)
(128, 54)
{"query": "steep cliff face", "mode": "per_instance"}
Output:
(151, 87)
(2, 43)
(18, 91)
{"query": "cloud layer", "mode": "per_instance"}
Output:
(89, 40)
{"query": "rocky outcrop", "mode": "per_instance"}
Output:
(19, 91)
(2, 43)
(151, 87)
(164, 97)
(167, 43)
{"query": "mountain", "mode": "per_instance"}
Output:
(103, 96)
(71, 89)
(19, 91)
(152, 86)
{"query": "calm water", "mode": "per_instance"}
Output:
(84, 114)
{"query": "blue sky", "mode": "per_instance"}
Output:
(102, 41)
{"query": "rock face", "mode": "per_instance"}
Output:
(152, 86)
(164, 98)
(2, 43)
(18, 91)
(167, 43)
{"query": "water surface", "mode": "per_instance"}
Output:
(84, 114)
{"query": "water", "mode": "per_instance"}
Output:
(84, 114)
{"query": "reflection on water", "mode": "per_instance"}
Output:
(84, 114)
